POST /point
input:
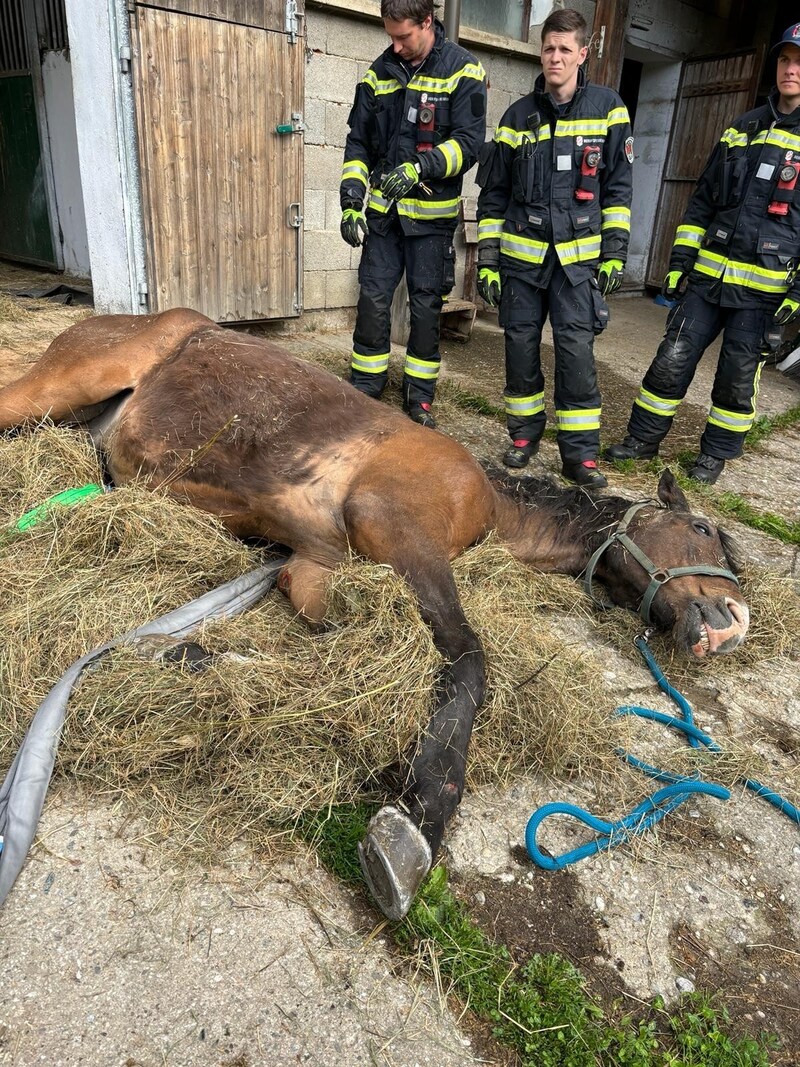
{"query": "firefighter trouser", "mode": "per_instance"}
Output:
(429, 267)
(691, 327)
(523, 309)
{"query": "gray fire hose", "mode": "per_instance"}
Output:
(23, 791)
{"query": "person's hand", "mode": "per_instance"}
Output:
(489, 287)
(787, 312)
(353, 226)
(673, 285)
(609, 276)
(400, 181)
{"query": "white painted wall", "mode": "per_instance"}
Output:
(59, 105)
(106, 150)
(657, 91)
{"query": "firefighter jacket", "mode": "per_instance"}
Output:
(434, 114)
(557, 180)
(740, 234)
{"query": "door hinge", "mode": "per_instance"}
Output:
(125, 59)
(292, 20)
(144, 295)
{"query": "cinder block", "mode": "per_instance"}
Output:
(341, 288)
(314, 289)
(356, 40)
(314, 118)
(331, 78)
(336, 128)
(333, 211)
(323, 167)
(317, 26)
(314, 210)
(325, 251)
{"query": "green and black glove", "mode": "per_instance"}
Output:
(353, 225)
(673, 285)
(787, 312)
(609, 276)
(489, 288)
(400, 181)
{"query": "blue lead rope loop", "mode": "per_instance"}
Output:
(652, 810)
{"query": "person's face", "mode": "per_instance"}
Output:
(561, 57)
(410, 40)
(789, 74)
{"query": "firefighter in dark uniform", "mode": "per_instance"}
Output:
(553, 226)
(417, 125)
(737, 252)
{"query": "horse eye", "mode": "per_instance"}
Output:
(703, 528)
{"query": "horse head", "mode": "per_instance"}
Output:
(677, 569)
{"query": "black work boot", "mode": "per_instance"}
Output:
(422, 414)
(706, 469)
(632, 448)
(520, 453)
(585, 474)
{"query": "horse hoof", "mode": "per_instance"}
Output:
(395, 858)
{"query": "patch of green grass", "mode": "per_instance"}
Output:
(775, 525)
(541, 1010)
(768, 424)
(472, 401)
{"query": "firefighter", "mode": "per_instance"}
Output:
(734, 270)
(417, 124)
(553, 225)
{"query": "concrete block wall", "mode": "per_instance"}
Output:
(339, 51)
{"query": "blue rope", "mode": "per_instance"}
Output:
(652, 810)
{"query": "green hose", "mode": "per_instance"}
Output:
(65, 499)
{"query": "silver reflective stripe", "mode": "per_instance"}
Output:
(524, 405)
(370, 364)
(658, 405)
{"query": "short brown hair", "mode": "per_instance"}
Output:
(400, 10)
(567, 20)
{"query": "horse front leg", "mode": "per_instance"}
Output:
(402, 840)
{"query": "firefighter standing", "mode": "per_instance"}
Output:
(553, 227)
(738, 245)
(417, 124)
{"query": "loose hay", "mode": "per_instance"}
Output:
(283, 722)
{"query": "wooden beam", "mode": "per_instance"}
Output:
(608, 34)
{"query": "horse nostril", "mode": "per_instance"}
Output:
(738, 612)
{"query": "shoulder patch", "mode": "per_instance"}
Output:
(629, 149)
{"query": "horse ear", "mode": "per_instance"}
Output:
(670, 493)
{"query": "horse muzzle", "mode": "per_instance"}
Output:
(719, 629)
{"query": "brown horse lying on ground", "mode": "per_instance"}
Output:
(279, 448)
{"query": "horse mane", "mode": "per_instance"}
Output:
(578, 515)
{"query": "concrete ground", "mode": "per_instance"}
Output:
(111, 956)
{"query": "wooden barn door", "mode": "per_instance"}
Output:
(712, 93)
(221, 184)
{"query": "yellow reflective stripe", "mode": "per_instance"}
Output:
(370, 364)
(514, 138)
(490, 229)
(355, 170)
(779, 138)
(453, 157)
(427, 209)
(616, 218)
(523, 248)
(758, 278)
(379, 86)
(691, 236)
(525, 405)
(447, 85)
(421, 368)
(618, 116)
(377, 202)
(581, 128)
(579, 419)
(656, 404)
(735, 421)
(709, 263)
(579, 250)
(733, 138)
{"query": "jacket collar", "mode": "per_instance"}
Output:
(792, 119)
(545, 100)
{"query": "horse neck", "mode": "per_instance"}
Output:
(557, 537)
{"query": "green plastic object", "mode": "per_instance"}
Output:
(285, 127)
(65, 499)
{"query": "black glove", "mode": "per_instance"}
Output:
(400, 181)
(787, 312)
(488, 285)
(609, 276)
(353, 225)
